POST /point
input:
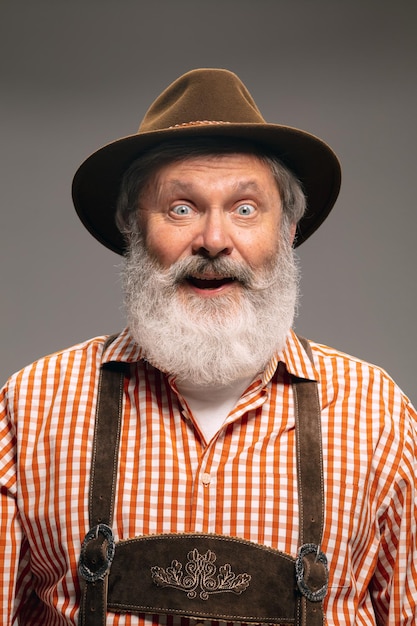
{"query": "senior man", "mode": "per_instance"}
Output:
(206, 464)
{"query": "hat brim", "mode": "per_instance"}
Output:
(97, 182)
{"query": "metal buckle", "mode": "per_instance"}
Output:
(88, 556)
(310, 594)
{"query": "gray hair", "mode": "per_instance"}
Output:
(137, 176)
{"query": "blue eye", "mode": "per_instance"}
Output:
(245, 209)
(181, 209)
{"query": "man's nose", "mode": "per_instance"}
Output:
(213, 237)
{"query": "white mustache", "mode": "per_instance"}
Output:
(221, 267)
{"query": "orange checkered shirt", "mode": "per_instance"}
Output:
(242, 483)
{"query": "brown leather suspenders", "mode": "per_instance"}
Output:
(202, 576)
(98, 547)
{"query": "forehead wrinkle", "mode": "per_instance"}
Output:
(184, 187)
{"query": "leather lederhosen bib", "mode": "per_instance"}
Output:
(202, 576)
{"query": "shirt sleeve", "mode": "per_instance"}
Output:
(11, 538)
(394, 583)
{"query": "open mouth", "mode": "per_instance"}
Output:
(209, 283)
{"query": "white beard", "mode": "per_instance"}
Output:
(214, 340)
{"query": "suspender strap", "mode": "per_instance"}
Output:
(311, 564)
(98, 550)
(98, 546)
(309, 463)
(309, 457)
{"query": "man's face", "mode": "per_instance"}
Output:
(213, 207)
(210, 278)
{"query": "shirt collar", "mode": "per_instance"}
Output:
(124, 349)
(296, 359)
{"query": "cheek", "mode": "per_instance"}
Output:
(166, 245)
(260, 247)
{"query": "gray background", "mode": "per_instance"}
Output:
(77, 74)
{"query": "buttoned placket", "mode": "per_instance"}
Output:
(205, 478)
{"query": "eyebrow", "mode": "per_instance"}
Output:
(248, 185)
(241, 186)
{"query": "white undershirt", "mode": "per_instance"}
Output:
(211, 405)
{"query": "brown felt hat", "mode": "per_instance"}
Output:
(204, 103)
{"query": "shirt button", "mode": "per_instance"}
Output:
(205, 479)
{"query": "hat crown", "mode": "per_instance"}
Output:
(202, 96)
